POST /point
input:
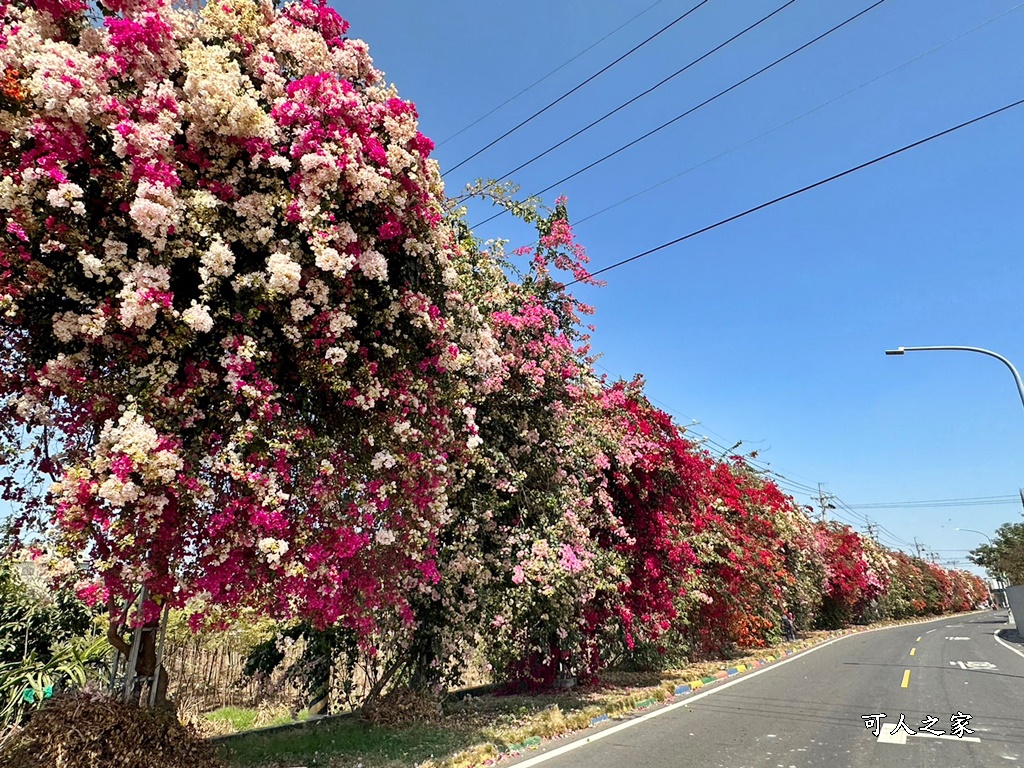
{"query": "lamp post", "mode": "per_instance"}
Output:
(979, 350)
(999, 575)
(971, 530)
(1020, 391)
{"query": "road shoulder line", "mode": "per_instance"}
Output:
(1006, 644)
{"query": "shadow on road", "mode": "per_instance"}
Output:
(950, 668)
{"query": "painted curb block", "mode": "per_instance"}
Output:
(531, 743)
(708, 679)
(732, 671)
(681, 689)
(695, 684)
(599, 719)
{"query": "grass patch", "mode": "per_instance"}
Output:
(238, 718)
(228, 720)
(338, 743)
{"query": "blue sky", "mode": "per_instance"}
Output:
(771, 329)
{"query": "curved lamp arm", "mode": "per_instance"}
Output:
(979, 350)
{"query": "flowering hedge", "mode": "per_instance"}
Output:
(229, 314)
(264, 365)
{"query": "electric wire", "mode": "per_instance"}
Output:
(904, 541)
(704, 440)
(690, 111)
(639, 96)
(807, 188)
(688, 427)
(785, 486)
(967, 500)
(933, 501)
(801, 486)
(845, 512)
(560, 67)
(821, 106)
(594, 76)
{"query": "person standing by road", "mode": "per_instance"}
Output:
(788, 628)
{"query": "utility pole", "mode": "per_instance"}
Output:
(919, 547)
(872, 530)
(825, 500)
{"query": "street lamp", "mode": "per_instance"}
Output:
(999, 575)
(971, 530)
(990, 353)
(979, 350)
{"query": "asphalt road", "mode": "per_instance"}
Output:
(810, 710)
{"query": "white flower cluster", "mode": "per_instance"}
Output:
(272, 549)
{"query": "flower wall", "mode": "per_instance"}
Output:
(254, 360)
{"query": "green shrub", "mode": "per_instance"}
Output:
(27, 683)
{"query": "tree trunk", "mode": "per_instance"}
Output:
(146, 667)
(145, 662)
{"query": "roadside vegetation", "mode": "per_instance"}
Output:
(279, 428)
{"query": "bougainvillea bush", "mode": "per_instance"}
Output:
(522, 560)
(230, 335)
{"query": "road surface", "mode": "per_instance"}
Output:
(816, 708)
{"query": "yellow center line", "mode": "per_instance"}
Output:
(906, 679)
(918, 640)
(913, 651)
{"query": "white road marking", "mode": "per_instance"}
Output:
(886, 737)
(974, 664)
(958, 638)
(946, 736)
(1007, 645)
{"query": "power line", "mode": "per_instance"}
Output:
(785, 485)
(694, 109)
(541, 111)
(851, 510)
(807, 188)
(639, 96)
(793, 487)
(688, 428)
(897, 538)
(821, 106)
(560, 67)
(892, 539)
(972, 501)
